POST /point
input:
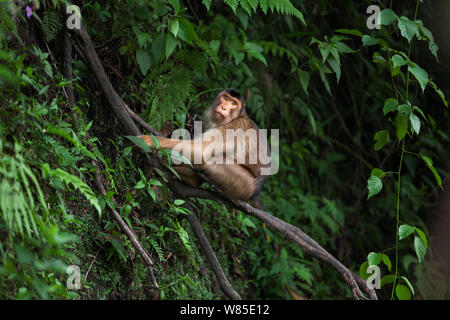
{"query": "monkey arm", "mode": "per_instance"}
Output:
(199, 151)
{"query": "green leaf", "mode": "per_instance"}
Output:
(179, 158)
(255, 50)
(420, 248)
(381, 138)
(409, 284)
(390, 105)
(312, 121)
(178, 202)
(374, 184)
(374, 259)
(398, 61)
(420, 74)
(207, 3)
(343, 48)
(233, 4)
(422, 236)
(152, 194)
(78, 184)
(387, 17)
(324, 51)
(139, 142)
(175, 4)
(386, 261)
(174, 27)
(402, 292)
(335, 65)
(404, 110)
(140, 185)
(144, 60)
(186, 32)
(155, 182)
(158, 47)
(401, 126)
(416, 108)
(324, 79)
(156, 142)
(304, 79)
(405, 231)
(407, 28)
(143, 37)
(429, 164)
(439, 92)
(369, 41)
(415, 122)
(363, 270)
(378, 173)
(171, 43)
(353, 32)
(387, 279)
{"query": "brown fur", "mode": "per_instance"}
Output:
(237, 181)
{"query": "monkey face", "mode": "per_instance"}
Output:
(225, 109)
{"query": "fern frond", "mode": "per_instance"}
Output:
(280, 6)
(157, 248)
(72, 139)
(50, 25)
(17, 195)
(233, 4)
(76, 182)
(278, 51)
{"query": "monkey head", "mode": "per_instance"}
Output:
(227, 106)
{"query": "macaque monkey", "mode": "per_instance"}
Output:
(231, 152)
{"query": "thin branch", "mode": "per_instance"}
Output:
(211, 256)
(125, 228)
(114, 100)
(139, 120)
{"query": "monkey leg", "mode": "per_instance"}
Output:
(234, 180)
(189, 176)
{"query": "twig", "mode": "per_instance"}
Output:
(114, 100)
(139, 120)
(125, 228)
(214, 262)
(90, 265)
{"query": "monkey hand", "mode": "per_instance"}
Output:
(147, 139)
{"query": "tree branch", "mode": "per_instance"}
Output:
(125, 228)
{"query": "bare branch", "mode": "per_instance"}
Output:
(125, 228)
(139, 120)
